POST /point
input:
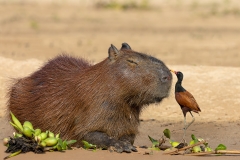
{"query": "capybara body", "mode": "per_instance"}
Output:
(98, 103)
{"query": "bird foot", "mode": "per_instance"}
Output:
(183, 141)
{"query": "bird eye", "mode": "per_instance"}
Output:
(131, 61)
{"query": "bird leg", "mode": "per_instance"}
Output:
(186, 126)
(193, 119)
(183, 139)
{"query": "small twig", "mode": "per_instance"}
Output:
(187, 147)
(215, 152)
(184, 148)
(228, 151)
(200, 153)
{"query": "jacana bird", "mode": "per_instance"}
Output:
(185, 99)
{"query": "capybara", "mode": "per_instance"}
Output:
(98, 103)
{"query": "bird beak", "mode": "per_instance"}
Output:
(173, 71)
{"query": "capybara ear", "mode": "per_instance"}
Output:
(125, 46)
(113, 52)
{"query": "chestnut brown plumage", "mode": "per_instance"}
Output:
(185, 99)
(98, 103)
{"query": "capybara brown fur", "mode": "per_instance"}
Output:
(98, 103)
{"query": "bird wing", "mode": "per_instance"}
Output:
(186, 99)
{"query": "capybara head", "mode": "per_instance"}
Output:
(143, 79)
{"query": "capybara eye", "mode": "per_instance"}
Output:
(131, 61)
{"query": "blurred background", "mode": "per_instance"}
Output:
(179, 32)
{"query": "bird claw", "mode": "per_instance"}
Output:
(183, 141)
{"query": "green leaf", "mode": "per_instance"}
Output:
(13, 154)
(57, 135)
(174, 143)
(54, 147)
(196, 149)
(59, 147)
(60, 142)
(71, 142)
(16, 127)
(154, 142)
(64, 146)
(208, 149)
(221, 147)
(87, 145)
(28, 124)
(16, 122)
(193, 137)
(167, 133)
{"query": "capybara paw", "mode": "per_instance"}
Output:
(124, 147)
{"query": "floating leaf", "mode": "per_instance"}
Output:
(221, 147)
(166, 133)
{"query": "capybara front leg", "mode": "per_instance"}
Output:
(128, 138)
(102, 140)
